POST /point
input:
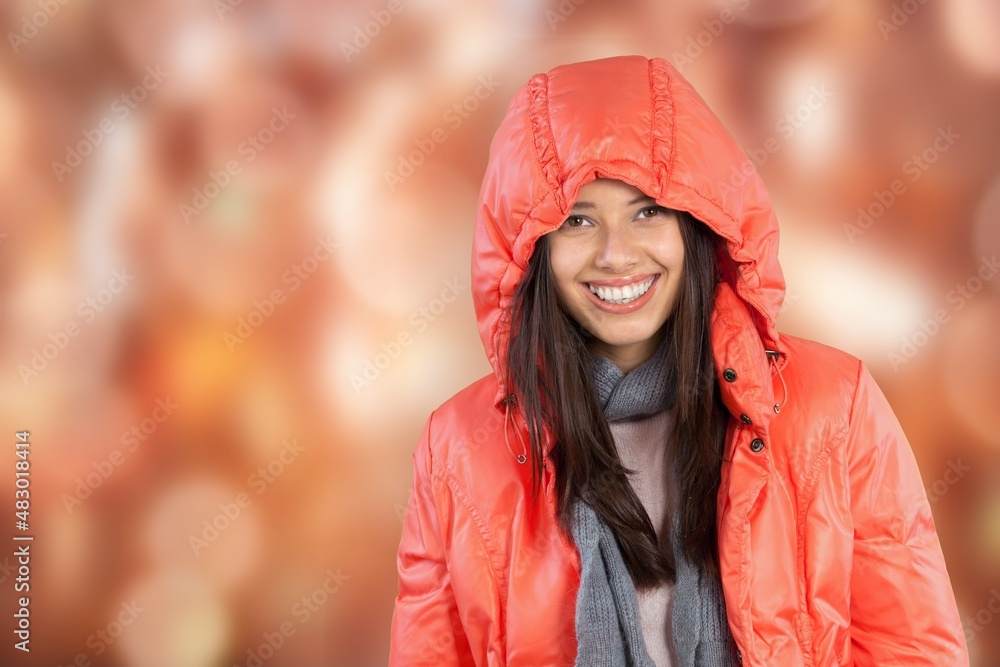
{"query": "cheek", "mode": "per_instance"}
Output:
(670, 256)
(676, 250)
(567, 293)
(565, 265)
(668, 248)
(680, 261)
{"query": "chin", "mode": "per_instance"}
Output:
(618, 339)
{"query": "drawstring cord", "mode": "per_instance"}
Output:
(523, 456)
(773, 356)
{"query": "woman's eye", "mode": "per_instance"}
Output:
(650, 212)
(574, 221)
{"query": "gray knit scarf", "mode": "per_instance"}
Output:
(608, 627)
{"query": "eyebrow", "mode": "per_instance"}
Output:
(637, 200)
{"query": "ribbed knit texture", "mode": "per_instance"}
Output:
(609, 627)
(645, 390)
(701, 631)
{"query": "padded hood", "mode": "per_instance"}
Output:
(637, 120)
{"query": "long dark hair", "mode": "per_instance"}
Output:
(547, 371)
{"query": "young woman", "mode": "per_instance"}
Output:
(653, 475)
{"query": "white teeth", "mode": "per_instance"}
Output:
(621, 295)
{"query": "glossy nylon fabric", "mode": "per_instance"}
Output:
(827, 546)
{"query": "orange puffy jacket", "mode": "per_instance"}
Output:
(827, 546)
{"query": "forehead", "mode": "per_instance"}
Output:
(603, 192)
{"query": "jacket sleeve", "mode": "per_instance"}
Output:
(903, 609)
(426, 627)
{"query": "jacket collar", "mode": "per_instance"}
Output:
(743, 365)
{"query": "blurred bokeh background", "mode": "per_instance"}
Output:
(234, 257)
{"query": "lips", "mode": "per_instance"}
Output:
(622, 295)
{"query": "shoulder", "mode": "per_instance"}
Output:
(817, 390)
(820, 377)
(813, 357)
(465, 434)
(832, 398)
(469, 464)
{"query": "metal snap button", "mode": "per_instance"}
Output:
(756, 445)
(729, 374)
(745, 419)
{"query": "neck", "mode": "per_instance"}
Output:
(626, 357)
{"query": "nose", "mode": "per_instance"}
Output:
(618, 250)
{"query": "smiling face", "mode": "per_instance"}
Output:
(617, 262)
